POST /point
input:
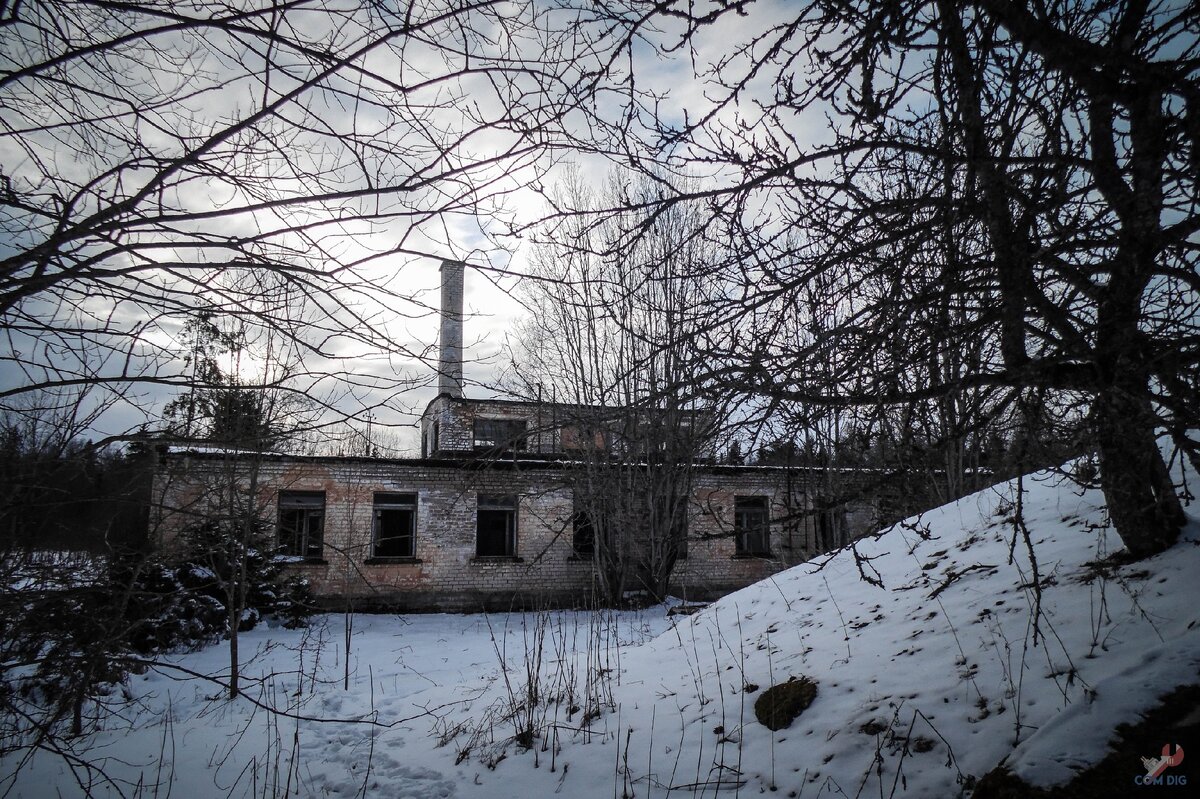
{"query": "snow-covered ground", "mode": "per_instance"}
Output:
(947, 665)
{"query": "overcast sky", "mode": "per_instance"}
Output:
(216, 79)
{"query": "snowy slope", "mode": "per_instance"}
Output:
(926, 681)
(944, 655)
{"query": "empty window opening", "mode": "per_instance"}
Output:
(301, 523)
(496, 528)
(831, 527)
(824, 531)
(581, 438)
(679, 534)
(673, 527)
(583, 536)
(395, 526)
(507, 434)
(751, 526)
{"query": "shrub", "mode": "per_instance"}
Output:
(74, 634)
(186, 603)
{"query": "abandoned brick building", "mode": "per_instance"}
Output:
(490, 514)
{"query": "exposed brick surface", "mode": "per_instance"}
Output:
(445, 573)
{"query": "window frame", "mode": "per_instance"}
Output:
(506, 434)
(390, 501)
(491, 506)
(309, 508)
(829, 527)
(752, 539)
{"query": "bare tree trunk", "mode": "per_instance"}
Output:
(233, 649)
(236, 596)
(77, 710)
(237, 592)
(1141, 498)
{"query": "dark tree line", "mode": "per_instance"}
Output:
(921, 469)
(68, 495)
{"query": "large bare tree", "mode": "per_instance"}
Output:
(609, 340)
(1031, 171)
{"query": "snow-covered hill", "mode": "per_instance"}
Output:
(940, 665)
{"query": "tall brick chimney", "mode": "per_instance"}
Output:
(450, 379)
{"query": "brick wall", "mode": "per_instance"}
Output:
(456, 423)
(445, 573)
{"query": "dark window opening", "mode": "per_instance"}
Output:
(824, 531)
(496, 528)
(500, 434)
(301, 523)
(583, 536)
(395, 525)
(680, 534)
(435, 444)
(830, 527)
(751, 526)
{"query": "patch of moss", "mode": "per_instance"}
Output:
(780, 704)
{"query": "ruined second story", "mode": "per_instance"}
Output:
(453, 425)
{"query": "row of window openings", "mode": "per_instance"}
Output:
(302, 526)
(394, 525)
